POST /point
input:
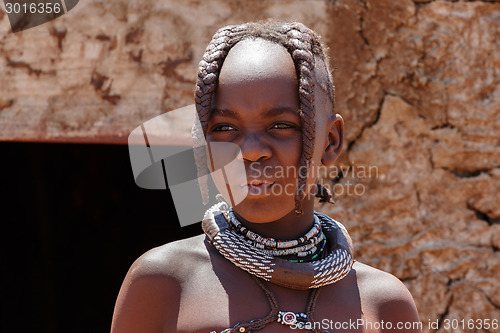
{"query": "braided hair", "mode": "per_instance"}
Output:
(312, 69)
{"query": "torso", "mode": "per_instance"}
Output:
(215, 294)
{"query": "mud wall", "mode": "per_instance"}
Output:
(417, 83)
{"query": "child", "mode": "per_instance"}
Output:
(269, 262)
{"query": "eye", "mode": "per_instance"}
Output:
(283, 126)
(223, 128)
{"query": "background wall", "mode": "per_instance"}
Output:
(417, 83)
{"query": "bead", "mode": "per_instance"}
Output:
(242, 329)
(311, 236)
(328, 264)
(289, 318)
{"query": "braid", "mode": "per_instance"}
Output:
(300, 40)
(306, 50)
(208, 74)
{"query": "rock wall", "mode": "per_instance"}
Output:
(417, 83)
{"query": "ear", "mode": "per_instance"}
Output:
(335, 139)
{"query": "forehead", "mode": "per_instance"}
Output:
(257, 59)
(257, 76)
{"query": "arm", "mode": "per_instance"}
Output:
(148, 301)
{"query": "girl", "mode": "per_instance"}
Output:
(267, 261)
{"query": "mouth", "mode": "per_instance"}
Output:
(256, 187)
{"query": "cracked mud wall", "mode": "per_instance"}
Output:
(417, 83)
(420, 86)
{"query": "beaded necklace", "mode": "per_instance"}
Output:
(297, 274)
(260, 257)
(271, 242)
(304, 246)
(300, 320)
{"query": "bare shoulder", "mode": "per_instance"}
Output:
(149, 297)
(388, 296)
(380, 286)
(172, 260)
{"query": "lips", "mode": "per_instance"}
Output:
(258, 186)
(256, 182)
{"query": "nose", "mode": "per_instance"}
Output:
(254, 148)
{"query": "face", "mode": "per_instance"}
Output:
(256, 108)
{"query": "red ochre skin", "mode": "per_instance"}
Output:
(187, 286)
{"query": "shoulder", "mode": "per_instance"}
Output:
(387, 296)
(172, 260)
(380, 286)
(149, 297)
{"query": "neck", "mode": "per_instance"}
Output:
(290, 226)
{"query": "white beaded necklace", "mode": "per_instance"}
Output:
(257, 261)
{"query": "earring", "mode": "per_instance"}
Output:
(324, 194)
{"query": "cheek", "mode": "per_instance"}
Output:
(227, 170)
(291, 154)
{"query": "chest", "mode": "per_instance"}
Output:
(219, 296)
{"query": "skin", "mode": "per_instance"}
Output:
(187, 286)
(266, 129)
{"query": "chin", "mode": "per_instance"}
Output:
(265, 210)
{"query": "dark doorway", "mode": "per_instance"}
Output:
(73, 222)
